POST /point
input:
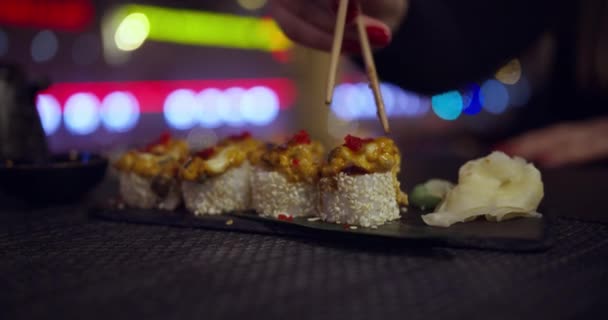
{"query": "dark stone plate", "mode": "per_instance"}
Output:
(524, 234)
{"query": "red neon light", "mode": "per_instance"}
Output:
(67, 15)
(151, 95)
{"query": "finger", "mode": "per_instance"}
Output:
(317, 13)
(300, 30)
(579, 149)
(321, 15)
(537, 143)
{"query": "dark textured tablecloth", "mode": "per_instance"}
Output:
(58, 263)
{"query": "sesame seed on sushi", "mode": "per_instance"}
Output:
(285, 177)
(359, 183)
(216, 180)
(148, 176)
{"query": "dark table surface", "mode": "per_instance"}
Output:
(56, 262)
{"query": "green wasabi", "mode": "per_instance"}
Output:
(430, 194)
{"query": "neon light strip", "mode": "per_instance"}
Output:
(152, 94)
(210, 29)
(69, 15)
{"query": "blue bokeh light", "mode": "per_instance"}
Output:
(470, 99)
(231, 113)
(49, 112)
(119, 111)
(179, 109)
(81, 113)
(44, 46)
(366, 104)
(447, 106)
(339, 103)
(494, 96)
(209, 102)
(389, 96)
(356, 101)
(260, 105)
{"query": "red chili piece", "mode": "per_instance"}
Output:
(285, 217)
(238, 137)
(163, 139)
(301, 137)
(295, 162)
(353, 143)
(206, 153)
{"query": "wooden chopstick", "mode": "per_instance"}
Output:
(370, 67)
(336, 50)
(368, 58)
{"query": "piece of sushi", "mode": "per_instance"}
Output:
(217, 180)
(148, 176)
(285, 177)
(359, 183)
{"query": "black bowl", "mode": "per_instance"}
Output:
(65, 178)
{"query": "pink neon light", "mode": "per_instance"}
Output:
(151, 95)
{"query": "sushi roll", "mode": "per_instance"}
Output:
(285, 177)
(148, 176)
(359, 183)
(216, 180)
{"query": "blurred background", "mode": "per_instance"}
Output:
(123, 72)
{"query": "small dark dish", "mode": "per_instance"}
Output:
(64, 178)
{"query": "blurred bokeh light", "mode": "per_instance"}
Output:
(252, 4)
(132, 31)
(44, 46)
(49, 111)
(447, 106)
(494, 97)
(470, 100)
(509, 73)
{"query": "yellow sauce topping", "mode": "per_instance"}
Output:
(227, 154)
(299, 160)
(157, 159)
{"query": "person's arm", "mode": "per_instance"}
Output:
(442, 44)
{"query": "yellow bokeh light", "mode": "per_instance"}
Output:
(132, 31)
(252, 4)
(139, 23)
(277, 40)
(509, 73)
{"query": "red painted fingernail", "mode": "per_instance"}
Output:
(378, 36)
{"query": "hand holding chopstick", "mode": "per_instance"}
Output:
(367, 58)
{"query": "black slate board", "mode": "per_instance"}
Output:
(529, 234)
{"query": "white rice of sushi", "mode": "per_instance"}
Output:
(229, 191)
(136, 191)
(366, 200)
(272, 195)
